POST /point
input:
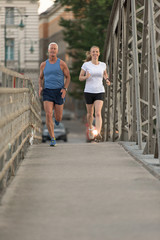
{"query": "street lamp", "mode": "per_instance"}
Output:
(21, 26)
(31, 50)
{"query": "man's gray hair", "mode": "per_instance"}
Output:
(51, 44)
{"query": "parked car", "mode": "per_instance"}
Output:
(68, 115)
(43, 117)
(60, 133)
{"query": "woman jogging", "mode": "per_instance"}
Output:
(93, 71)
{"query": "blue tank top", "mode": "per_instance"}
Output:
(53, 75)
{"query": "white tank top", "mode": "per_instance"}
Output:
(94, 84)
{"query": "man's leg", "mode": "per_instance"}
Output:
(58, 112)
(48, 107)
(98, 108)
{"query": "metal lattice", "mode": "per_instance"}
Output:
(132, 53)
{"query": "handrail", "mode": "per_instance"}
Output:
(20, 121)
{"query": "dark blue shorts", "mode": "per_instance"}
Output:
(53, 95)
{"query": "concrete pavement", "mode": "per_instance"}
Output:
(80, 191)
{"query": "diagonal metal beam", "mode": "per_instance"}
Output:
(155, 71)
(136, 73)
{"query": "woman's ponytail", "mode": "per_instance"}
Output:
(88, 57)
(88, 54)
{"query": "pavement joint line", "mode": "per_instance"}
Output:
(148, 161)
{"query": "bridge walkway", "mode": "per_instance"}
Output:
(80, 191)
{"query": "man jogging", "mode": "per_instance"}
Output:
(55, 74)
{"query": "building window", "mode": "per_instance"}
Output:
(9, 15)
(10, 49)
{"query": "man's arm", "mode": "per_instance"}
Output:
(41, 78)
(66, 72)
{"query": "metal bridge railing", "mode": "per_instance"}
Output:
(20, 121)
(132, 53)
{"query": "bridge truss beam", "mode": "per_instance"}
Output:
(132, 54)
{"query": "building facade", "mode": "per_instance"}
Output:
(19, 37)
(51, 31)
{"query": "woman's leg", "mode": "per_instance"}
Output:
(90, 111)
(98, 104)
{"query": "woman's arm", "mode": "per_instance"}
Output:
(84, 75)
(105, 75)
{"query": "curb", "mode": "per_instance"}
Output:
(148, 161)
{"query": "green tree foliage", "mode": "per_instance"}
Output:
(88, 28)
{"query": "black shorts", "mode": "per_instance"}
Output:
(53, 95)
(92, 97)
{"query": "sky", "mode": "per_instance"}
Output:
(44, 4)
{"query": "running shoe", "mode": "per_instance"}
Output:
(56, 122)
(90, 134)
(98, 138)
(53, 142)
